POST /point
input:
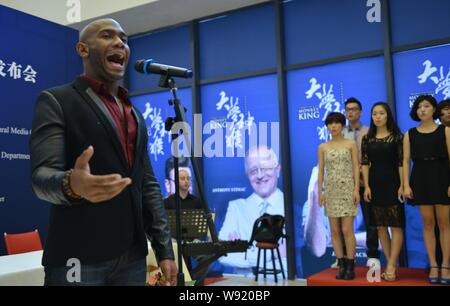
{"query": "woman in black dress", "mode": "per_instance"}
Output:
(382, 161)
(428, 146)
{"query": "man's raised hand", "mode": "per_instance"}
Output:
(95, 188)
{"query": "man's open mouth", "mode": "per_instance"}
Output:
(116, 61)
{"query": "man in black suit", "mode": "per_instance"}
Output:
(105, 204)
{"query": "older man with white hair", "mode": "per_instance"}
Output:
(263, 170)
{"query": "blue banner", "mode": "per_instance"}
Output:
(241, 118)
(156, 109)
(36, 55)
(417, 72)
(312, 94)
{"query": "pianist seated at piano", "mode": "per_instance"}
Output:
(188, 201)
(169, 181)
(263, 170)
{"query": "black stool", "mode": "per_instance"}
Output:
(269, 246)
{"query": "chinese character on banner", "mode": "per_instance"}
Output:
(2, 66)
(327, 102)
(326, 97)
(314, 87)
(323, 133)
(30, 74)
(156, 130)
(441, 80)
(15, 70)
(238, 120)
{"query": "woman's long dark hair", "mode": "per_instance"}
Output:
(390, 122)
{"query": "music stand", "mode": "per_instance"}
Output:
(194, 224)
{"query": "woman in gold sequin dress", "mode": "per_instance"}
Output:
(339, 169)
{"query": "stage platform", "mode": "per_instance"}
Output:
(407, 277)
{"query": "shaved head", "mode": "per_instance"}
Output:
(89, 31)
(103, 46)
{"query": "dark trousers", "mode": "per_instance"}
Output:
(371, 231)
(126, 270)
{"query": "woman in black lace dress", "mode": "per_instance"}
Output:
(382, 160)
(427, 145)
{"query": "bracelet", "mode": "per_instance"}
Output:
(67, 189)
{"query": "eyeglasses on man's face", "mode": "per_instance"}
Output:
(352, 110)
(263, 170)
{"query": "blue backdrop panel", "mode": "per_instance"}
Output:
(36, 55)
(423, 71)
(316, 30)
(225, 177)
(170, 47)
(228, 42)
(156, 110)
(255, 95)
(312, 94)
(417, 21)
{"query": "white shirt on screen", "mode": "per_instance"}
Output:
(238, 224)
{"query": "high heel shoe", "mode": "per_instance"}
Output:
(434, 280)
(445, 280)
(389, 277)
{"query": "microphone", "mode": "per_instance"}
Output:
(148, 66)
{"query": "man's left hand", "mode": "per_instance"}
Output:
(169, 269)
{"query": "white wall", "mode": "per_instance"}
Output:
(58, 10)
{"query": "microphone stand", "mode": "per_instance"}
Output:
(167, 81)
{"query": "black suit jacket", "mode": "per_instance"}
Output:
(66, 121)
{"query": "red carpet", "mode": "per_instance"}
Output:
(407, 277)
(212, 280)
